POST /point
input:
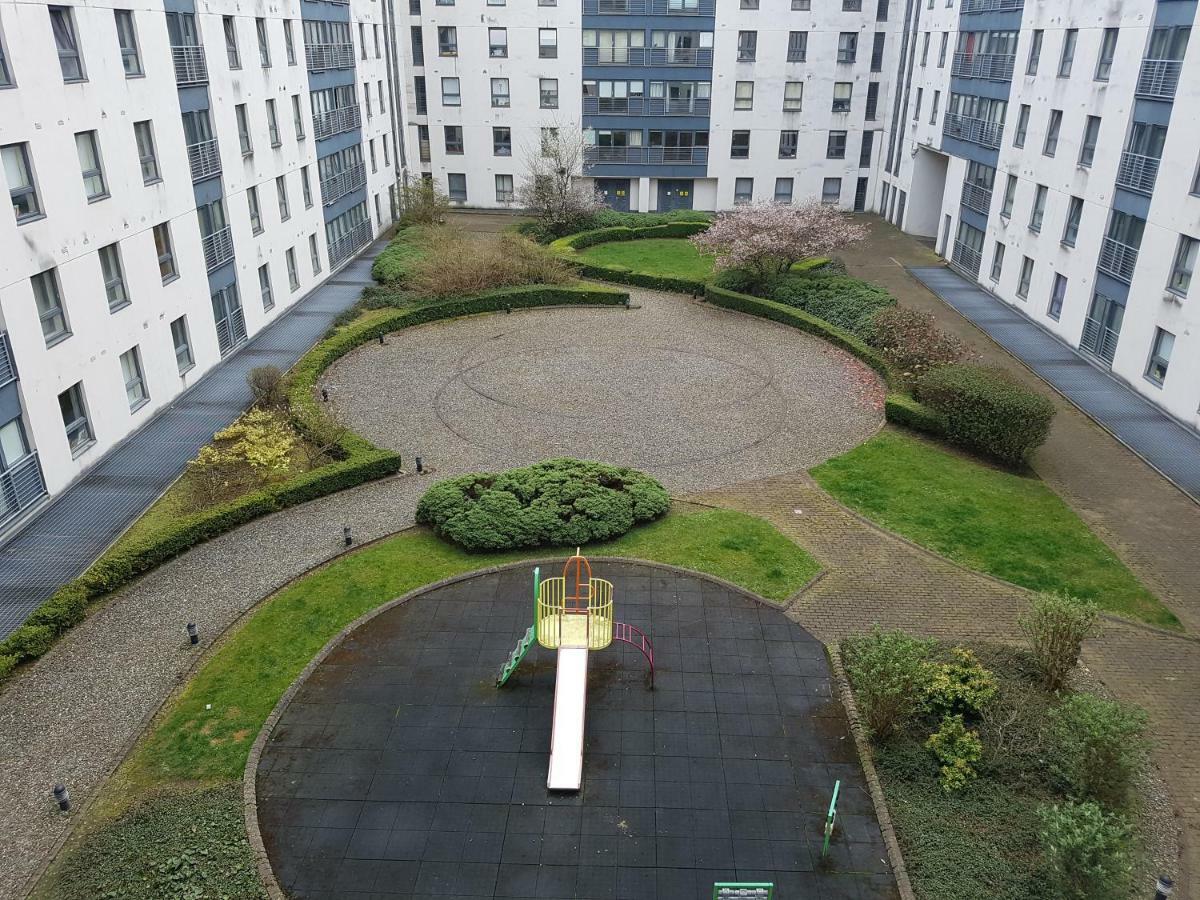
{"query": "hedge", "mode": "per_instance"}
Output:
(622, 275)
(392, 264)
(901, 409)
(360, 461)
(847, 302)
(586, 239)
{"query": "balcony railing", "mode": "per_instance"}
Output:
(349, 243)
(423, 147)
(190, 67)
(1099, 340)
(1137, 172)
(967, 258)
(8, 366)
(975, 6)
(218, 248)
(337, 186)
(1118, 259)
(645, 156)
(335, 121)
(647, 7)
(641, 106)
(1159, 78)
(992, 66)
(647, 56)
(320, 57)
(976, 197)
(205, 159)
(21, 486)
(977, 131)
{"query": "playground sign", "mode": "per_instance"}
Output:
(831, 817)
(743, 890)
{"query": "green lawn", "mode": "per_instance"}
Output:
(671, 257)
(1010, 526)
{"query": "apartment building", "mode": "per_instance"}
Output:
(180, 175)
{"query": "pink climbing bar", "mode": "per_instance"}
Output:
(635, 637)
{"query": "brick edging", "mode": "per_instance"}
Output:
(867, 760)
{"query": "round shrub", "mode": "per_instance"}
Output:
(1099, 747)
(888, 671)
(986, 411)
(1088, 851)
(556, 503)
(911, 342)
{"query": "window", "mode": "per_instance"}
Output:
(75, 418)
(925, 49)
(788, 142)
(504, 189)
(384, 140)
(165, 252)
(1067, 60)
(293, 272)
(1010, 195)
(835, 147)
(797, 49)
(1026, 277)
(454, 139)
(842, 92)
(743, 190)
(374, 165)
(548, 93)
(747, 46)
(62, 25)
(417, 39)
(1050, 147)
(743, 95)
(942, 50)
(1160, 355)
(933, 110)
(793, 96)
(375, 38)
(547, 43)
(264, 47)
(264, 287)
(864, 153)
(881, 11)
(831, 190)
(256, 225)
(50, 306)
(1091, 137)
(135, 383)
(298, 116)
(877, 51)
(362, 38)
(1184, 265)
(289, 42)
(802, 5)
(452, 97)
(1108, 52)
(306, 187)
(501, 141)
(285, 212)
(314, 250)
(783, 190)
(851, 5)
(1074, 217)
(447, 40)
(917, 105)
(497, 42)
(5, 75)
(872, 100)
(500, 96)
(1038, 213)
(243, 127)
(739, 145)
(229, 26)
(89, 165)
(456, 186)
(1035, 52)
(114, 277)
(847, 47)
(749, 4)
(997, 261)
(273, 124)
(127, 40)
(143, 133)
(1022, 126)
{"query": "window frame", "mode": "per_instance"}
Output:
(112, 273)
(132, 51)
(1156, 357)
(92, 139)
(166, 256)
(81, 424)
(50, 308)
(186, 345)
(1183, 269)
(137, 381)
(66, 16)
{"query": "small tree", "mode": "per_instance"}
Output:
(268, 387)
(323, 431)
(765, 239)
(1088, 851)
(422, 202)
(1098, 747)
(888, 671)
(1057, 626)
(551, 189)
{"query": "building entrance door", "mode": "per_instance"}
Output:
(614, 192)
(674, 193)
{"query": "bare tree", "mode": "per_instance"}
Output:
(552, 189)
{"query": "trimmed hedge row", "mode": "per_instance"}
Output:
(902, 409)
(586, 239)
(361, 461)
(622, 275)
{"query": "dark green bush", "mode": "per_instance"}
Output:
(585, 239)
(1098, 747)
(621, 275)
(1088, 851)
(392, 264)
(901, 409)
(607, 218)
(986, 411)
(556, 503)
(888, 671)
(28, 641)
(846, 302)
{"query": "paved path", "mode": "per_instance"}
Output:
(1168, 446)
(76, 527)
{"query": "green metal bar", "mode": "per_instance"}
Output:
(831, 817)
(537, 593)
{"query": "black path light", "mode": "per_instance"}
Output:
(420, 465)
(346, 536)
(193, 633)
(324, 395)
(62, 797)
(1164, 887)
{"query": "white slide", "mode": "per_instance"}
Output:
(566, 734)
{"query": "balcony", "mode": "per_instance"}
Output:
(614, 56)
(190, 67)
(321, 57)
(640, 106)
(977, 131)
(647, 7)
(1117, 259)
(21, 486)
(1159, 78)
(218, 248)
(1099, 340)
(647, 56)
(349, 243)
(645, 156)
(8, 366)
(335, 121)
(423, 148)
(967, 258)
(205, 159)
(976, 197)
(977, 6)
(992, 66)
(337, 186)
(1137, 172)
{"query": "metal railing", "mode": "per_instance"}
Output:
(335, 187)
(423, 148)
(349, 243)
(204, 159)
(218, 248)
(1159, 78)
(335, 121)
(21, 485)
(320, 57)
(641, 106)
(977, 131)
(8, 366)
(974, 6)
(976, 197)
(647, 7)
(1099, 340)
(1117, 259)
(644, 156)
(647, 56)
(992, 66)
(1137, 172)
(967, 258)
(190, 67)
(231, 331)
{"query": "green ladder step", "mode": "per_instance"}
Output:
(514, 658)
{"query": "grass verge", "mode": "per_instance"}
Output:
(671, 257)
(993, 521)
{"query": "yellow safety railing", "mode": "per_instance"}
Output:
(559, 626)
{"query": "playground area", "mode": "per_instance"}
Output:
(400, 768)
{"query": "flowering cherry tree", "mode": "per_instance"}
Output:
(766, 238)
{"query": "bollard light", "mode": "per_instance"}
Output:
(380, 340)
(324, 395)
(193, 633)
(346, 535)
(62, 797)
(1162, 890)
(420, 465)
